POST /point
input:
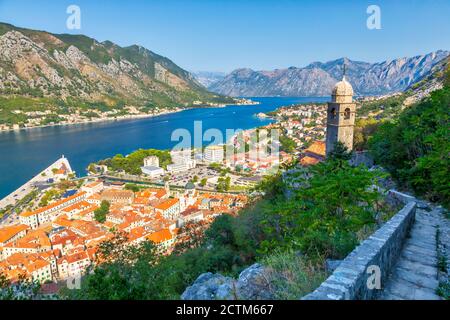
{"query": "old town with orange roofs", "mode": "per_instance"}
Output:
(60, 240)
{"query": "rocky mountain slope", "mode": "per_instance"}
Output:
(433, 80)
(317, 79)
(39, 64)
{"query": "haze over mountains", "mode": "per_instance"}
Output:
(317, 79)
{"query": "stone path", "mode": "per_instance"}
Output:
(415, 275)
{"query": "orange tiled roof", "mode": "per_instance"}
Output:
(63, 221)
(81, 255)
(160, 193)
(93, 184)
(77, 206)
(318, 148)
(9, 232)
(113, 193)
(36, 265)
(160, 236)
(167, 204)
(33, 239)
(95, 196)
(309, 161)
(141, 200)
(50, 206)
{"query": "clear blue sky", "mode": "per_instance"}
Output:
(221, 35)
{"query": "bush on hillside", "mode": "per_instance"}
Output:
(416, 147)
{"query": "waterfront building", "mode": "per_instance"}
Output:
(93, 187)
(214, 154)
(50, 212)
(152, 161)
(152, 171)
(181, 166)
(181, 161)
(181, 156)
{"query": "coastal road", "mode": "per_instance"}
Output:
(13, 198)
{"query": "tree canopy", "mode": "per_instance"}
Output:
(134, 161)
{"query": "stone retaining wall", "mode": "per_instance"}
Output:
(349, 280)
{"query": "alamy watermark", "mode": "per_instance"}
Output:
(74, 283)
(374, 19)
(73, 22)
(374, 278)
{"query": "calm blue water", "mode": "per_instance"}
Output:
(25, 153)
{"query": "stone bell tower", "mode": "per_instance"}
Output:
(341, 116)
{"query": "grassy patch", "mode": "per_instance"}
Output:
(291, 276)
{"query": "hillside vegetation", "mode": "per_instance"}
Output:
(415, 147)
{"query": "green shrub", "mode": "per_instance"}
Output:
(330, 204)
(444, 290)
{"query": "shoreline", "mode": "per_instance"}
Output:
(121, 118)
(131, 117)
(96, 120)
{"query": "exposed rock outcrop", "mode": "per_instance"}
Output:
(209, 286)
(252, 284)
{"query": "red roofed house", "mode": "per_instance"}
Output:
(73, 265)
(12, 233)
(170, 208)
(314, 154)
(163, 239)
(50, 212)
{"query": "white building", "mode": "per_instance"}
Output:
(49, 212)
(181, 161)
(151, 167)
(152, 161)
(181, 166)
(40, 271)
(152, 171)
(181, 156)
(170, 208)
(214, 154)
(73, 265)
(93, 187)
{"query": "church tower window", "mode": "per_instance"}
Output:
(347, 114)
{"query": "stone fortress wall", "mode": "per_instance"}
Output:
(379, 252)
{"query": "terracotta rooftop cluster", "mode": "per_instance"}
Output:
(60, 240)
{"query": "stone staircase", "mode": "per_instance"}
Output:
(415, 275)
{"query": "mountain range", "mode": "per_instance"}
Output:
(40, 64)
(207, 78)
(318, 79)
